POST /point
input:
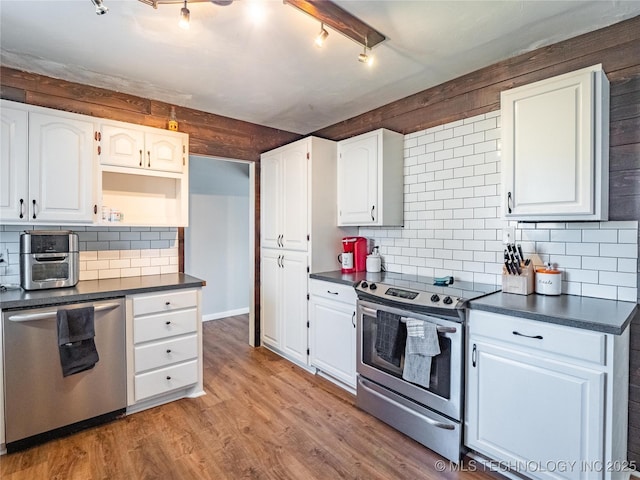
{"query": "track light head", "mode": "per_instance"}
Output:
(184, 17)
(322, 36)
(100, 8)
(365, 58)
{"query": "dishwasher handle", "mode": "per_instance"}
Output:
(30, 317)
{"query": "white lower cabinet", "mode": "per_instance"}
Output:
(283, 299)
(540, 397)
(164, 344)
(332, 330)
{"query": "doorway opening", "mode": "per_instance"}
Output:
(219, 244)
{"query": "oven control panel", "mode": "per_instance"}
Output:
(410, 297)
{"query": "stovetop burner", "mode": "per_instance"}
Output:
(423, 293)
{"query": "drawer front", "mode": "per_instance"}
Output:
(166, 379)
(163, 325)
(166, 352)
(334, 291)
(164, 301)
(556, 339)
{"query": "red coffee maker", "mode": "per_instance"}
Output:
(354, 254)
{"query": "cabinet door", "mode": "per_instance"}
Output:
(14, 182)
(548, 150)
(122, 146)
(332, 338)
(294, 196)
(270, 209)
(164, 152)
(294, 305)
(525, 408)
(358, 181)
(60, 169)
(270, 295)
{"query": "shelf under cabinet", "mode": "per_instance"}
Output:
(145, 199)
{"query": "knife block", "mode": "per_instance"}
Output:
(519, 284)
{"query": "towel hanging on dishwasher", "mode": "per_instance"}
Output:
(76, 332)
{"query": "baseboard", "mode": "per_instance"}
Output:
(228, 313)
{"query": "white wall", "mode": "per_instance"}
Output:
(217, 239)
(453, 222)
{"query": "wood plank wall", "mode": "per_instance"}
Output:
(616, 47)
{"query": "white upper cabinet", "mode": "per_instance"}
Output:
(370, 179)
(46, 168)
(14, 151)
(284, 197)
(142, 147)
(555, 148)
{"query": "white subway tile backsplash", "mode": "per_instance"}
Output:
(453, 207)
(105, 252)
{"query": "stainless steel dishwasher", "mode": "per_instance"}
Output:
(40, 403)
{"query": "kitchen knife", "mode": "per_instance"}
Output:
(520, 252)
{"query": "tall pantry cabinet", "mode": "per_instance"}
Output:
(298, 236)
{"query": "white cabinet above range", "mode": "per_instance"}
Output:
(370, 179)
(555, 141)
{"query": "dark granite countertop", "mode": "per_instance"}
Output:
(89, 290)
(597, 314)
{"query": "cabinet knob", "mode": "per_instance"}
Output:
(168, 322)
(168, 377)
(167, 303)
(168, 350)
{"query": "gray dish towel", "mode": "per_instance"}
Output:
(422, 346)
(390, 337)
(76, 332)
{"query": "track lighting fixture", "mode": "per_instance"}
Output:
(363, 57)
(322, 36)
(184, 16)
(100, 8)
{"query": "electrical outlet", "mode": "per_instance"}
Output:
(508, 235)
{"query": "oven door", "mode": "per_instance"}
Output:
(444, 393)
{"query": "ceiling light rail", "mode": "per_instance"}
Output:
(334, 16)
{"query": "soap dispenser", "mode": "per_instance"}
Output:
(374, 261)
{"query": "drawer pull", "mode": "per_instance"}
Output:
(168, 350)
(168, 322)
(332, 293)
(537, 337)
(168, 377)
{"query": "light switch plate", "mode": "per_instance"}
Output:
(508, 235)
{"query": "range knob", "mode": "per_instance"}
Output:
(435, 298)
(364, 284)
(373, 286)
(447, 301)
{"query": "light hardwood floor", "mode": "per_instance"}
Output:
(262, 418)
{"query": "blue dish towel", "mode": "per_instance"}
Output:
(422, 346)
(76, 332)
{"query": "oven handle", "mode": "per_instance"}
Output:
(373, 313)
(29, 317)
(439, 328)
(431, 421)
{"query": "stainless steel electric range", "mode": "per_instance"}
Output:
(418, 392)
